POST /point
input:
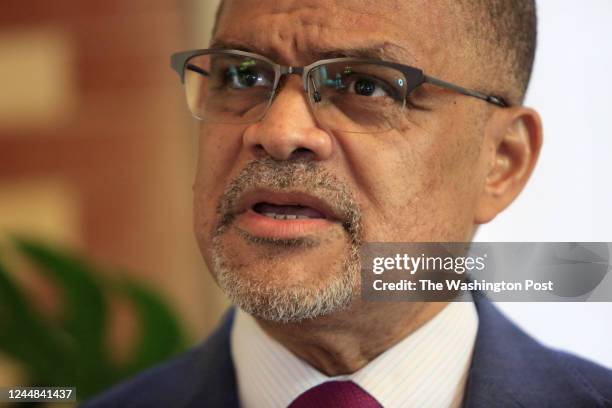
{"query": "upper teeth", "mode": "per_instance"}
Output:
(285, 216)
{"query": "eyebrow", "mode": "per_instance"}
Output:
(378, 52)
(383, 52)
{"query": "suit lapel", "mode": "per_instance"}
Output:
(510, 369)
(217, 382)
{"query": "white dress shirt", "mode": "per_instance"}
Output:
(426, 369)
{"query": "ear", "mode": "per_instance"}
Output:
(513, 139)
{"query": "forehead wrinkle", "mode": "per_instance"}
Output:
(386, 51)
(237, 45)
(307, 30)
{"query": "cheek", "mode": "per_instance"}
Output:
(416, 188)
(450, 169)
(218, 150)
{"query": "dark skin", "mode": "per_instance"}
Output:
(454, 163)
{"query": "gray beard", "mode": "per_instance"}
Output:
(289, 303)
(298, 302)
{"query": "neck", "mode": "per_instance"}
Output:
(344, 342)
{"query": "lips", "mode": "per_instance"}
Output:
(283, 215)
(290, 203)
(287, 212)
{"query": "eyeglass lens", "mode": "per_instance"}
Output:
(348, 96)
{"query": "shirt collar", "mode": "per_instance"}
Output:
(427, 368)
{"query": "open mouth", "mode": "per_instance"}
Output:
(284, 215)
(287, 211)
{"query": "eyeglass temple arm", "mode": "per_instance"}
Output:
(496, 100)
(197, 69)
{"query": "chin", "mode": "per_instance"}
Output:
(286, 280)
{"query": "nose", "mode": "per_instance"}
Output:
(289, 128)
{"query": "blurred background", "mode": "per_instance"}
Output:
(97, 157)
(97, 153)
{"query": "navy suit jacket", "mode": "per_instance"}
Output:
(509, 369)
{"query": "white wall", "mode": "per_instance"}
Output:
(569, 197)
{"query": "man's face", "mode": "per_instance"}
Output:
(418, 182)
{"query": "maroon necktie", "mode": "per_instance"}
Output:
(337, 394)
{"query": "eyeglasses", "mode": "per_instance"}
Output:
(346, 94)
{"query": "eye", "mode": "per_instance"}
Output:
(244, 78)
(366, 87)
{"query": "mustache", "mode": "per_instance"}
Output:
(295, 175)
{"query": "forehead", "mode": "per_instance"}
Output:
(298, 32)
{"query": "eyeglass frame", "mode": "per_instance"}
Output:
(415, 77)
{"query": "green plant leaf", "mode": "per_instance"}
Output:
(73, 351)
(25, 336)
(160, 335)
(84, 313)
